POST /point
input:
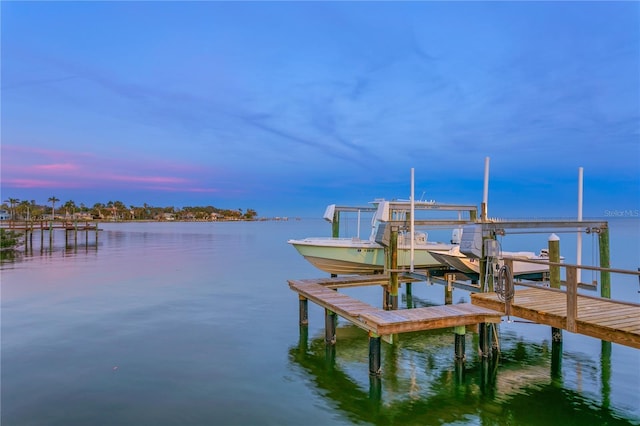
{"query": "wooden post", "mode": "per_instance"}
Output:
(304, 310)
(409, 295)
(572, 299)
(393, 276)
(554, 277)
(605, 276)
(330, 323)
(484, 339)
(554, 256)
(448, 289)
(374, 354)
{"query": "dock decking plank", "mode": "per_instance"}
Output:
(384, 322)
(614, 321)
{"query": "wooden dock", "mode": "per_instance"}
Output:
(381, 322)
(606, 319)
(50, 225)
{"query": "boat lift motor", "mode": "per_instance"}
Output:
(383, 234)
(471, 241)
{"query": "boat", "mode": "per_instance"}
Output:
(470, 266)
(348, 256)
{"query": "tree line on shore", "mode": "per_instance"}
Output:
(116, 210)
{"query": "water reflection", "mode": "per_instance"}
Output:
(421, 382)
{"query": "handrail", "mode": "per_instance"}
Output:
(571, 284)
(586, 267)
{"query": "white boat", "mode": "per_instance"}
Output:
(345, 256)
(471, 266)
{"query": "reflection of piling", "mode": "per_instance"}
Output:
(605, 371)
(556, 361)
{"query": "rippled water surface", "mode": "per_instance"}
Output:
(194, 324)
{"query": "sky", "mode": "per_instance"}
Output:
(286, 107)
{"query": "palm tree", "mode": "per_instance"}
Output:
(53, 200)
(13, 202)
(70, 205)
(98, 207)
(25, 206)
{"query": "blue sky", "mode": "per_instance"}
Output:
(286, 107)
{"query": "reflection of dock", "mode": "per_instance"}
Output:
(432, 394)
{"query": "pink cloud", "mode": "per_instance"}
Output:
(65, 167)
(38, 183)
(147, 179)
(26, 167)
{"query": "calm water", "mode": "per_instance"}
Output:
(194, 324)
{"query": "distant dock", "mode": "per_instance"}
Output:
(71, 230)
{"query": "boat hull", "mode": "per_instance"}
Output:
(342, 256)
(471, 267)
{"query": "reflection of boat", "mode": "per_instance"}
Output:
(356, 256)
(471, 266)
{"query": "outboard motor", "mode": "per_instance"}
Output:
(456, 236)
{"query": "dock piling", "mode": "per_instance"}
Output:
(459, 332)
(304, 310)
(554, 278)
(393, 276)
(330, 324)
(374, 354)
(605, 276)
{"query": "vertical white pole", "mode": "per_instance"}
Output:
(358, 233)
(579, 245)
(413, 224)
(485, 194)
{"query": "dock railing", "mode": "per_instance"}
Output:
(571, 284)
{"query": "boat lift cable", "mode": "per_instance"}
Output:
(503, 287)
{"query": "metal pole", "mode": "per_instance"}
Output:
(554, 278)
(485, 192)
(413, 223)
(579, 237)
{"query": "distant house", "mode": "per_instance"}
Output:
(168, 216)
(82, 216)
(4, 215)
